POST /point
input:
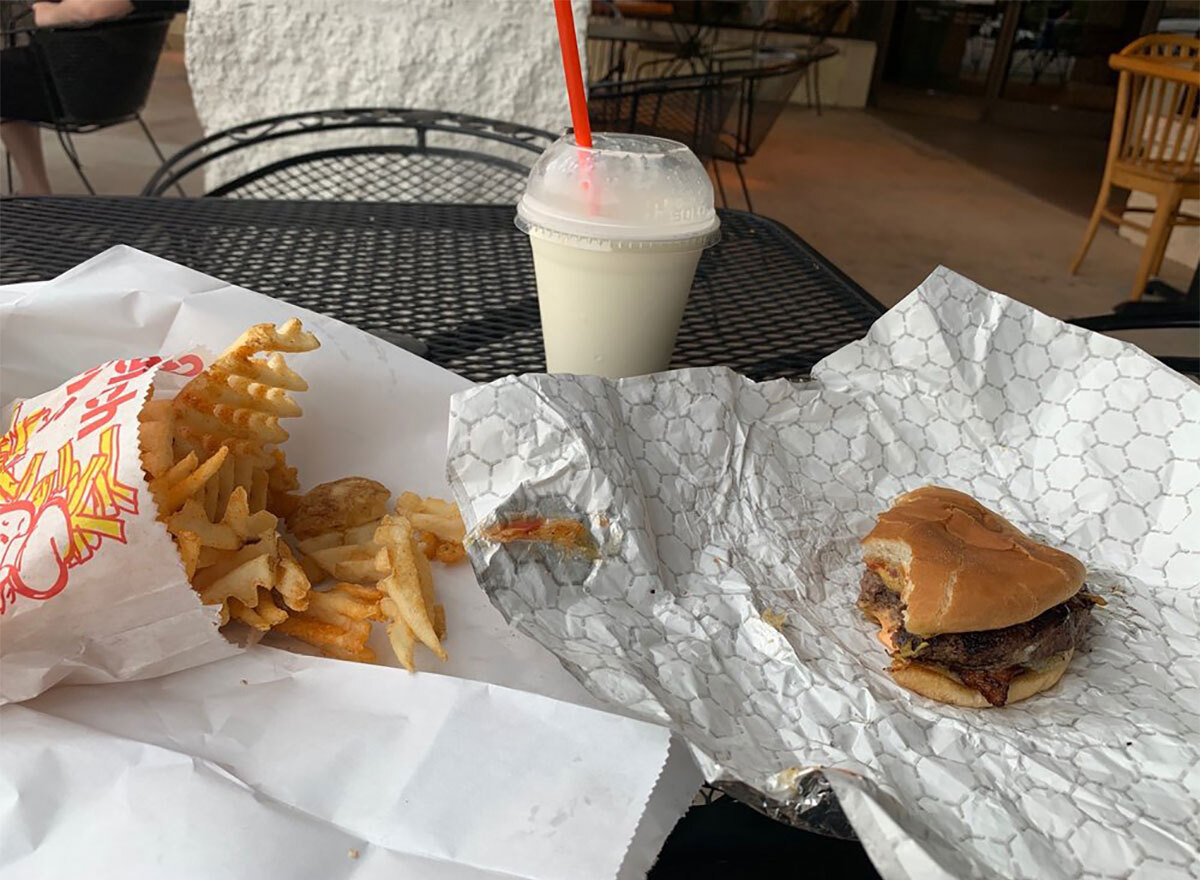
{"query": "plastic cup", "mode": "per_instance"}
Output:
(616, 230)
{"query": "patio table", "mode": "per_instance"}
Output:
(456, 283)
(456, 278)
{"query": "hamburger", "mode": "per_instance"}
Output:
(972, 611)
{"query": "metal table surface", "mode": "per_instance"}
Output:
(458, 278)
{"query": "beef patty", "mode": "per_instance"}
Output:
(991, 651)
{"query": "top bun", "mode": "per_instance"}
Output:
(960, 567)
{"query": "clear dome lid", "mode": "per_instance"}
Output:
(626, 189)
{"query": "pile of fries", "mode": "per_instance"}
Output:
(227, 496)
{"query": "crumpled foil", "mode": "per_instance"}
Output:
(721, 509)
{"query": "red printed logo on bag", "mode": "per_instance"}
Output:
(55, 512)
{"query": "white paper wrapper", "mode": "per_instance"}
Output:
(371, 409)
(714, 499)
(278, 765)
(91, 586)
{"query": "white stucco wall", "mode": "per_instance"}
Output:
(493, 58)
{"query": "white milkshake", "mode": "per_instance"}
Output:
(616, 231)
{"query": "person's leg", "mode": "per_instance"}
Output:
(23, 102)
(23, 140)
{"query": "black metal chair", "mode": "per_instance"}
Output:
(98, 76)
(364, 154)
(724, 115)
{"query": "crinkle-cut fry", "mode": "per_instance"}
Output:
(156, 437)
(334, 641)
(398, 556)
(262, 616)
(439, 620)
(240, 583)
(290, 580)
(399, 635)
(192, 519)
(184, 480)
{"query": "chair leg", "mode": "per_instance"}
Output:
(68, 146)
(745, 189)
(720, 185)
(1160, 250)
(157, 151)
(816, 81)
(1160, 228)
(1093, 224)
(8, 171)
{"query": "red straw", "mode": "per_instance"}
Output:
(571, 68)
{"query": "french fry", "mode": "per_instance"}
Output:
(338, 621)
(155, 436)
(439, 526)
(402, 583)
(264, 615)
(331, 639)
(210, 456)
(399, 635)
(222, 484)
(290, 580)
(183, 480)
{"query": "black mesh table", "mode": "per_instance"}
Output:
(459, 279)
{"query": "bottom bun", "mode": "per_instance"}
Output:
(932, 682)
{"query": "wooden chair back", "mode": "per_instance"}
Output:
(1154, 126)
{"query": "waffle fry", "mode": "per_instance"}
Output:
(237, 403)
(262, 616)
(212, 464)
(222, 485)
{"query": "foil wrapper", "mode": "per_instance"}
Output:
(714, 588)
